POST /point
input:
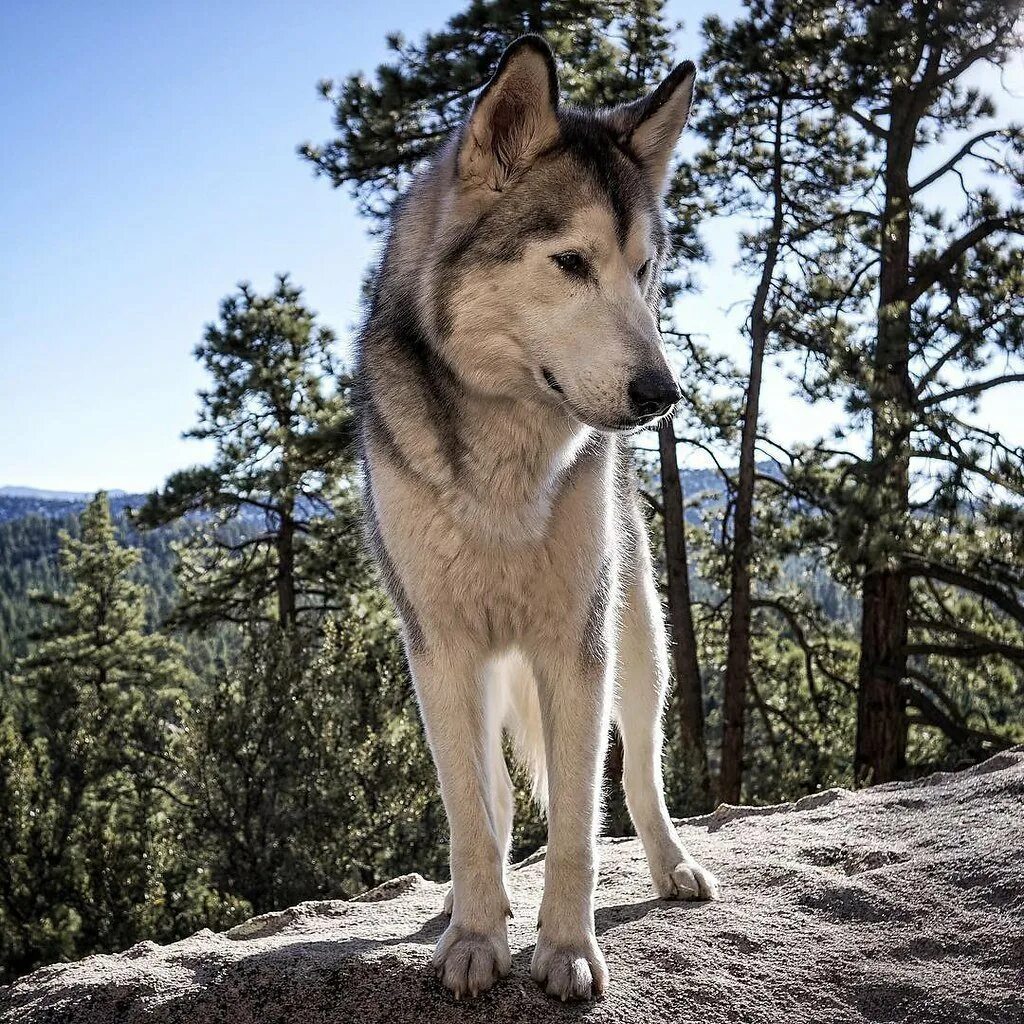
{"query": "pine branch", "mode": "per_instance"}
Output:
(801, 639)
(805, 645)
(1005, 601)
(870, 126)
(771, 709)
(935, 268)
(967, 149)
(972, 389)
(939, 711)
(967, 652)
(652, 502)
(972, 57)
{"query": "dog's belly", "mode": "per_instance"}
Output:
(465, 588)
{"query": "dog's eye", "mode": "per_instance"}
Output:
(641, 274)
(571, 263)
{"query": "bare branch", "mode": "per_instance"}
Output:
(973, 389)
(967, 149)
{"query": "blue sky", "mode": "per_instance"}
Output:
(149, 165)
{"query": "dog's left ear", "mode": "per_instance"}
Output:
(650, 127)
(514, 117)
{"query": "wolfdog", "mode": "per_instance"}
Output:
(510, 344)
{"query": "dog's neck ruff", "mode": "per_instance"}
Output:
(495, 465)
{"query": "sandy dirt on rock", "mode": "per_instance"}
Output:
(902, 903)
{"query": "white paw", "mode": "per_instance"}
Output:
(686, 880)
(574, 971)
(468, 962)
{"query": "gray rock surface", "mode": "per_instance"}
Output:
(900, 903)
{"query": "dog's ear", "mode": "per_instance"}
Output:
(514, 117)
(650, 127)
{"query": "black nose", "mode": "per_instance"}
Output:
(652, 393)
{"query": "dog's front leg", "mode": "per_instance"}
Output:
(574, 695)
(473, 952)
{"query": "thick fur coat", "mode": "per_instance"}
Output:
(511, 342)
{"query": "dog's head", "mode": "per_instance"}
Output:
(545, 282)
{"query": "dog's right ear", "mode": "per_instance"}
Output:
(514, 117)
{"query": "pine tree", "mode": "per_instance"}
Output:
(279, 535)
(781, 164)
(609, 53)
(693, 754)
(301, 759)
(309, 775)
(388, 125)
(912, 313)
(89, 772)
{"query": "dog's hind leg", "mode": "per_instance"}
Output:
(453, 694)
(643, 679)
(524, 726)
(501, 795)
(499, 708)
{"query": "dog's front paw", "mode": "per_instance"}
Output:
(685, 880)
(573, 971)
(469, 962)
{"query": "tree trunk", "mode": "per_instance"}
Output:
(689, 690)
(881, 708)
(287, 613)
(737, 665)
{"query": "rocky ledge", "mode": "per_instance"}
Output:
(901, 903)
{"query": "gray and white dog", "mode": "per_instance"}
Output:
(511, 341)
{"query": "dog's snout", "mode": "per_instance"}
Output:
(652, 393)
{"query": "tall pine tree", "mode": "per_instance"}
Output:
(277, 529)
(780, 164)
(911, 315)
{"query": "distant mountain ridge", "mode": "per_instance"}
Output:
(31, 520)
(42, 494)
(19, 502)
